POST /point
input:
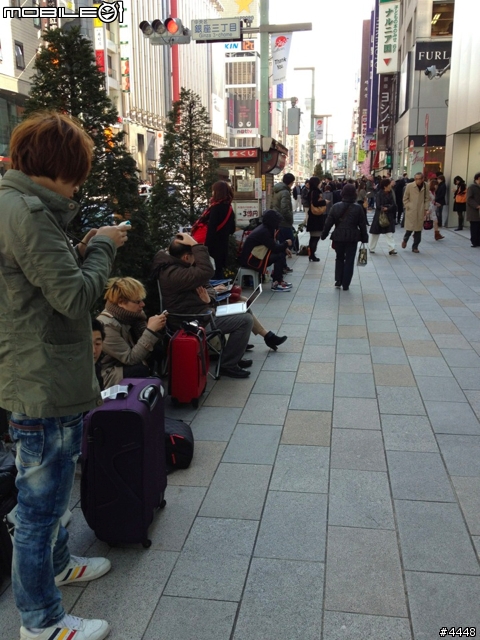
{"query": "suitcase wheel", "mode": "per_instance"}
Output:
(146, 544)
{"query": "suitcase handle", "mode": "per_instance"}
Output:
(149, 396)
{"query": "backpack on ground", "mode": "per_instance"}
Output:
(179, 444)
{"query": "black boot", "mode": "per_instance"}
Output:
(272, 340)
(313, 258)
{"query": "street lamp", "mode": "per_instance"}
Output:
(312, 112)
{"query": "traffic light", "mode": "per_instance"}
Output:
(169, 32)
(324, 153)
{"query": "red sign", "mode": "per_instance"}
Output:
(412, 146)
(237, 153)
(100, 58)
(372, 146)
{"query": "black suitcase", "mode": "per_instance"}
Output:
(179, 444)
(123, 463)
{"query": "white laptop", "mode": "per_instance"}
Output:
(238, 307)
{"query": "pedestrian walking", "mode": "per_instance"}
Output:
(473, 210)
(416, 200)
(460, 200)
(362, 198)
(399, 189)
(440, 199)
(315, 221)
(383, 222)
(433, 209)
(349, 220)
(296, 193)
(304, 198)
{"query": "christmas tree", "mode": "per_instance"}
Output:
(68, 80)
(187, 169)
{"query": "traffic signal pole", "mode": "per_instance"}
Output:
(175, 57)
(265, 122)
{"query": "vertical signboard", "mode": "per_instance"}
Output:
(125, 45)
(99, 42)
(319, 129)
(386, 115)
(52, 21)
(388, 30)
(363, 104)
(372, 74)
(330, 148)
(280, 53)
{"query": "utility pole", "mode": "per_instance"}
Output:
(312, 113)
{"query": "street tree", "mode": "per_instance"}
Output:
(187, 168)
(67, 79)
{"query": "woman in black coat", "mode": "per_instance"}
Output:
(221, 224)
(350, 229)
(315, 223)
(460, 200)
(384, 203)
(440, 198)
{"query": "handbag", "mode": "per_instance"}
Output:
(200, 227)
(318, 211)
(461, 197)
(383, 220)
(428, 224)
(362, 256)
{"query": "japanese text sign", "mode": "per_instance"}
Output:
(388, 36)
(217, 29)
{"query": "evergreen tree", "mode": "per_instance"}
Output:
(187, 168)
(318, 171)
(68, 80)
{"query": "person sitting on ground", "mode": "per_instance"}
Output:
(131, 344)
(184, 274)
(98, 336)
(261, 250)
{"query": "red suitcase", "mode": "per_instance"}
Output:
(189, 362)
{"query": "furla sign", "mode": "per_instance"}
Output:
(433, 52)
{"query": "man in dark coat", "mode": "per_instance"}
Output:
(473, 210)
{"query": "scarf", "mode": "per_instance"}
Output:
(213, 203)
(136, 319)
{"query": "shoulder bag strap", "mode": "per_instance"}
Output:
(227, 218)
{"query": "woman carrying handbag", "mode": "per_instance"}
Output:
(383, 222)
(316, 217)
(460, 200)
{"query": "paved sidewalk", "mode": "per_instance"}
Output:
(336, 493)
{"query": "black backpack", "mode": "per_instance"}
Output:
(179, 444)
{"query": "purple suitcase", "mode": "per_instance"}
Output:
(123, 463)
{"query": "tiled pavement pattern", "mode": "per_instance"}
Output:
(336, 493)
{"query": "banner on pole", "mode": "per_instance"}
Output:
(280, 52)
(319, 129)
(388, 33)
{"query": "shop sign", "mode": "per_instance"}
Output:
(246, 211)
(388, 35)
(385, 113)
(236, 153)
(432, 53)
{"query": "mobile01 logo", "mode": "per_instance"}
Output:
(106, 12)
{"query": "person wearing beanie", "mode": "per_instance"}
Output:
(282, 202)
(350, 228)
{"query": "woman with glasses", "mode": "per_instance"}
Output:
(131, 344)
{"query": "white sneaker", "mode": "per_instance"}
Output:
(70, 628)
(82, 570)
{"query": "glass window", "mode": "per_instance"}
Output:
(19, 57)
(442, 18)
(36, 21)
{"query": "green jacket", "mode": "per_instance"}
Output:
(282, 202)
(46, 292)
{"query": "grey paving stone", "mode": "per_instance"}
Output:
(418, 476)
(433, 537)
(461, 358)
(356, 413)
(439, 600)
(420, 348)
(357, 449)
(476, 542)
(429, 366)
(265, 409)
(321, 338)
(352, 626)
(205, 461)
(356, 319)
(400, 400)
(308, 428)
(452, 342)
(171, 526)
(468, 492)
(279, 361)
(467, 378)
(388, 355)
(229, 393)
(215, 423)
(293, 527)
(81, 537)
(298, 330)
(353, 345)
(214, 562)
(318, 354)
(453, 417)
(446, 389)
(353, 363)
(275, 593)
(312, 397)
(187, 618)
(415, 333)
(322, 324)
(253, 444)
(144, 573)
(461, 454)
(360, 499)
(237, 491)
(303, 469)
(364, 573)
(275, 383)
(354, 385)
(352, 331)
(408, 433)
(382, 326)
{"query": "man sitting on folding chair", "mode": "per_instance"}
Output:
(183, 274)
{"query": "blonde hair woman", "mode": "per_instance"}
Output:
(131, 340)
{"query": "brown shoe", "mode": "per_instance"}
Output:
(438, 236)
(404, 244)
(415, 251)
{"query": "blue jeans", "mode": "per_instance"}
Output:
(47, 451)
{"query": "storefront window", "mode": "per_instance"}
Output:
(442, 18)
